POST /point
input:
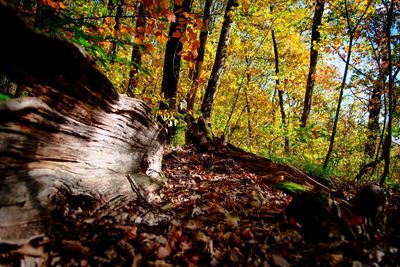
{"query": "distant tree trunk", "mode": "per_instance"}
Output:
(387, 146)
(118, 19)
(280, 91)
(219, 62)
(315, 38)
(200, 58)
(172, 61)
(136, 54)
(248, 109)
(374, 110)
(76, 145)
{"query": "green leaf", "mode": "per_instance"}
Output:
(100, 51)
(4, 97)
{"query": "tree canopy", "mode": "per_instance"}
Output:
(292, 75)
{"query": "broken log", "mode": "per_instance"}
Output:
(75, 143)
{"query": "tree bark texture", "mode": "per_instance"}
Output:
(387, 146)
(74, 143)
(172, 61)
(315, 38)
(219, 62)
(136, 54)
(200, 58)
(374, 110)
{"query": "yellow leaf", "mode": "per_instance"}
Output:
(137, 40)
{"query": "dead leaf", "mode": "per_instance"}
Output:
(163, 252)
(215, 208)
(232, 220)
(193, 225)
(279, 261)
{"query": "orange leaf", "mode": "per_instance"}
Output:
(161, 38)
(177, 34)
(198, 24)
(61, 4)
(170, 16)
(124, 28)
(137, 40)
(191, 65)
(183, 39)
(165, 4)
(149, 47)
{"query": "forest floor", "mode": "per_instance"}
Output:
(222, 209)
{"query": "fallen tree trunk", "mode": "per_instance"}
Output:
(75, 144)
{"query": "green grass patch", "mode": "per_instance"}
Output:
(292, 187)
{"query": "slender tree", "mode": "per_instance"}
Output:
(219, 62)
(195, 76)
(277, 87)
(315, 38)
(351, 29)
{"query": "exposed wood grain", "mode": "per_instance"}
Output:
(74, 143)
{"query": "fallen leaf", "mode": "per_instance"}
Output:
(232, 220)
(279, 261)
(163, 252)
(193, 225)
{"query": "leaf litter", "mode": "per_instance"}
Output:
(217, 212)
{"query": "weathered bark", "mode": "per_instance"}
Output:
(315, 38)
(74, 144)
(200, 58)
(136, 54)
(219, 61)
(172, 61)
(280, 91)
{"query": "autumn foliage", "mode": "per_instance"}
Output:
(128, 38)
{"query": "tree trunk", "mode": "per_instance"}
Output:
(280, 91)
(72, 146)
(374, 110)
(315, 38)
(219, 62)
(136, 54)
(118, 19)
(172, 61)
(391, 108)
(200, 58)
(248, 110)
